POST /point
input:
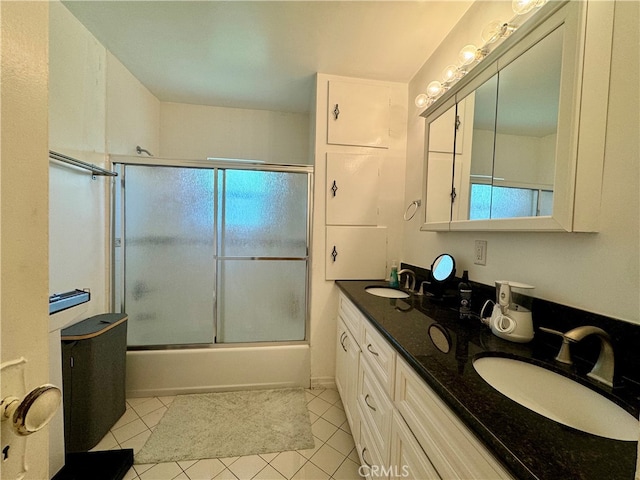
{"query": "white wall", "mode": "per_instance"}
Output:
(23, 217)
(595, 272)
(199, 131)
(324, 294)
(96, 107)
(133, 113)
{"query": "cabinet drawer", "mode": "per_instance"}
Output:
(380, 355)
(376, 409)
(373, 465)
(351, 316)
(407, 460)
(453, 449)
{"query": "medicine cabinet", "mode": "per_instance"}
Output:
(526, 129)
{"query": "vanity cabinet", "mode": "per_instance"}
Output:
(449, 445)
(402, 428)
(358, 114)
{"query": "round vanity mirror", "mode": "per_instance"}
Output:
(443, 268)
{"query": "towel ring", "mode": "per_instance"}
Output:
(415, 203)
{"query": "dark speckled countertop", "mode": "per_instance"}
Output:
(529, 445)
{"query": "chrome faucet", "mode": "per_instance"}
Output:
(410, 273)
(602, 371)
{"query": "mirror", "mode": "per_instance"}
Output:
(526, 117)
(512, 149)
(443, 268)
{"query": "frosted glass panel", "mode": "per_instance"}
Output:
(489, 201)
(169, 255)
(262, 214)
(261, 300)
(507, 202)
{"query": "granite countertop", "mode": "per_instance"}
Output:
(529, 445)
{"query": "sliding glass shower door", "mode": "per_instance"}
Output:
(262, 262)
(169, 249)
(214, 255)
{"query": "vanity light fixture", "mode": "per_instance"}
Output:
(494, 31)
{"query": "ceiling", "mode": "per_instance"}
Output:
(264, 54)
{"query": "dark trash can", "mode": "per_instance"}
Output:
(93, 378)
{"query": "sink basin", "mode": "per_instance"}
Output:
(386, 292)
(557, 397)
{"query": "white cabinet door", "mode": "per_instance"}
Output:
(442, 132)
(407, 459)
(358, 114)
(347, 366)
(356, 253)
(439, 185)
(352, 189)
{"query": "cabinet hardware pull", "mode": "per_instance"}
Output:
(334, 254)
(366, 400)
(372, 351)
(336, 112)
(334, 187)
(342, 338)
(364, 459)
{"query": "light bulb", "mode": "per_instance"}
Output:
(467, 55)
(450, 74)
(520, 7)
(434, 89)
(494, 30)
(421, 100)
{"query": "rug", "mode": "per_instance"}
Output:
(230, 424)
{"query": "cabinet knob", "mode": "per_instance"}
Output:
(334, 253)
(336, 112)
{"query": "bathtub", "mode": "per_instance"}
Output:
(182, 371)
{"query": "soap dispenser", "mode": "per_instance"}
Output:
(393, 276)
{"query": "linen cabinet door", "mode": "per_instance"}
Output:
(358, 114)
(355, 253)
(352, 189)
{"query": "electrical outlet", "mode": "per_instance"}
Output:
(480, 252)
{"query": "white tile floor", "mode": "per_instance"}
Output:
(333, 457)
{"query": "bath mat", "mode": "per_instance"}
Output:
(230, 424)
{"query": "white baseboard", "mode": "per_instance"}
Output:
(323, 382)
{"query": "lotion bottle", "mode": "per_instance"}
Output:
(393, 276)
